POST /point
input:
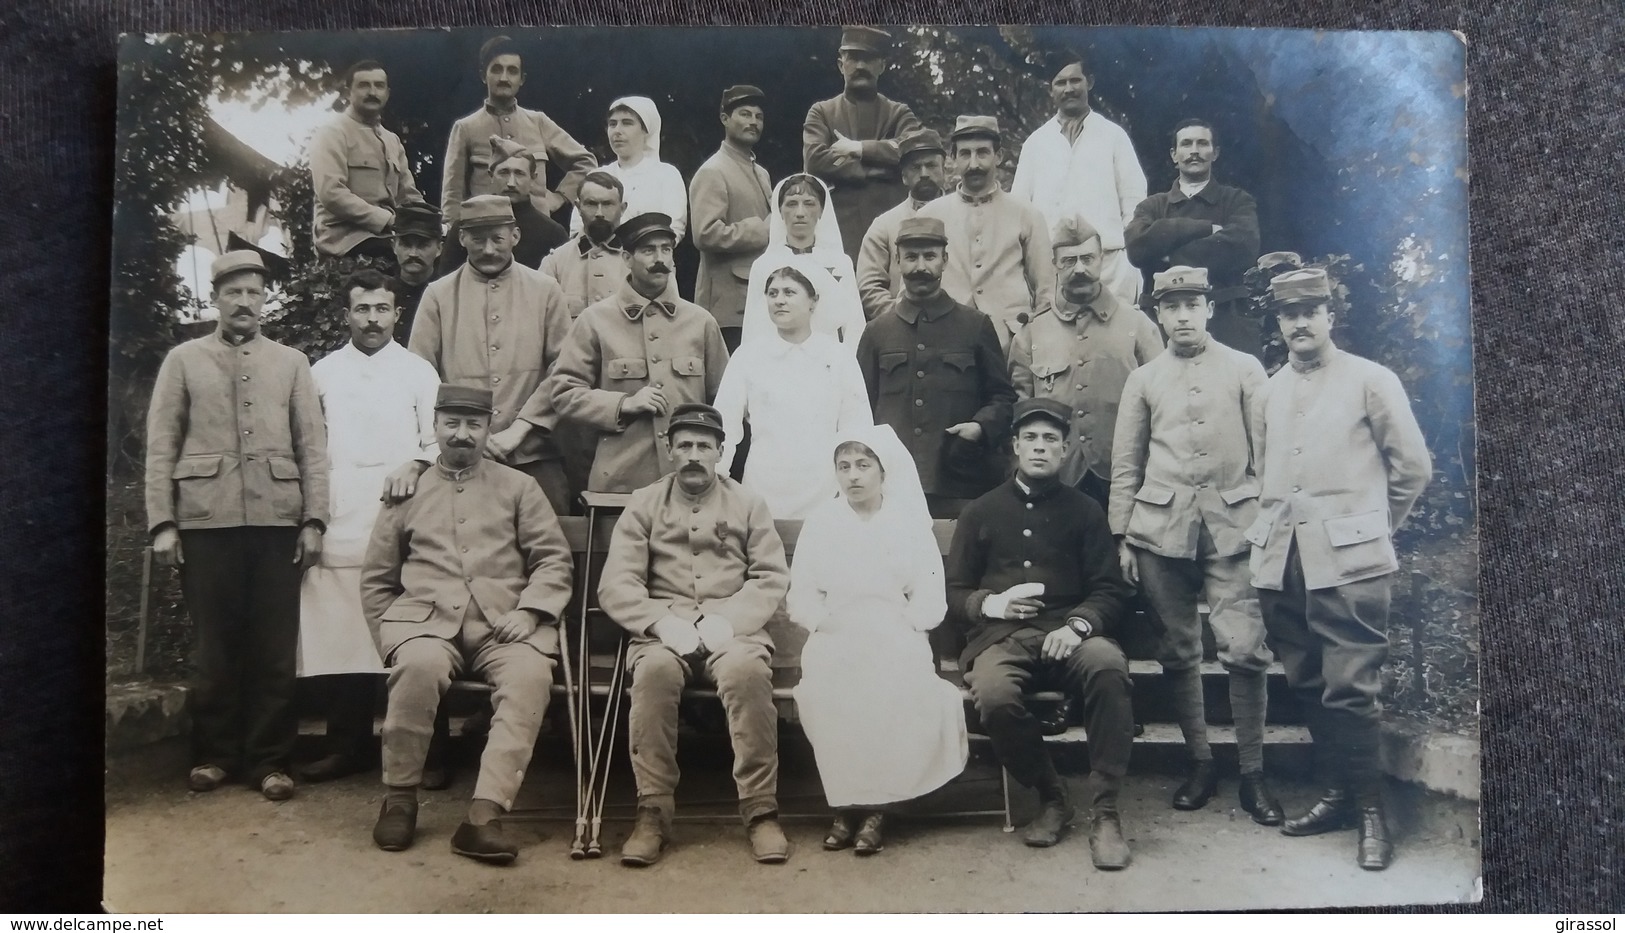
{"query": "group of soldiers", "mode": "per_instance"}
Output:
(393, 509)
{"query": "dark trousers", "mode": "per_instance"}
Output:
(1096, 673)
(350, 702)
(1332, 642)
(242, 592)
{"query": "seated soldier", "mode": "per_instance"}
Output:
(1033, 577)
(469, 574)
(694, 571)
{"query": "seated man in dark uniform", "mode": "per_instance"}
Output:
(1033, 579)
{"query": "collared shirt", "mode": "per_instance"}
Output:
(614, 349)
(468, 153)
(651, 185)
(880, 281)
(1082, 357)
(467, 548)
(499, 332)
(1175, 228)
(588, 272)
(1183, 452)
(235, 437)
(1344, 461)
(360, 174)
(798, 397)
(1052, 534)
(929, 366)
(999, 259)
(1097, 177)
(716, 554)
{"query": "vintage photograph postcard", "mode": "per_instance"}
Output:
(867, 468)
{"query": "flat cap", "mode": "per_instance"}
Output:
(1179, 279)
(643, 226)
(1072, 230)
(865, 39)
(1279, 259)
(237, 260)
(922, 229)
(462, 398)
(485, 210)
(696, 415)
(973, 125)
(504, 149)
(417, 220)
(921, 140)
(1030, 408)
(1301, 285)
(740, 94)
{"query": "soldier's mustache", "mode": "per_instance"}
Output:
(460, 444)
(919, 277)
(659, 268)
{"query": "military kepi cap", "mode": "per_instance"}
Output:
(505, 149)
(865, 39)
(642, 227)
(238, 260)
(1179, 279)
(922, 230)
(485, 210)
(973, 125)
(417, 220)
(921, 140)
(1029, 408)
(696, 415)
(1301, 285)
(742, 94)
(462, 398)
(1280, 258)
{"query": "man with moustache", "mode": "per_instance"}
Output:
(1082, 165)
(237, 498)
(1033, 581)
(728, 204)
(1203, 224)
(378, 401)
(935, 373)
(591, 265)
(513, 170)
(416, 242)
(359, 171)
(1079, 352)
(850, 140)
(921, 160)
(1001, 263)
(1344, 462)
(468, 575)
(635, 356)
(495, 324)
(1184, 492)
(468, 153)
(694, 572)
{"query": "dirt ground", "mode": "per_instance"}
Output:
(171, 850)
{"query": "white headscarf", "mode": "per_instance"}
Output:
(827, 233)
(758, 320)
(840, 309)
(903, 499)
(649, 114)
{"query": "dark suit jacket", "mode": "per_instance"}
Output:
(1170, 229)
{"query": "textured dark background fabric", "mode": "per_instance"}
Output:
(1547, 136)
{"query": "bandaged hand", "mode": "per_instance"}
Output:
(677, 634)
(715, 631)
(1014, 604)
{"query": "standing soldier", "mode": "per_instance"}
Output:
(516, 175)
(729, 202)
(359, 171)
(591, 265)
(1344, 461)
(417, 251)
(850, 140)
(1184, 491)
(237, 498)
(633, 358)
(921, 160)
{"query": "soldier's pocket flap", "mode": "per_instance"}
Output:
(1046, 368)
(893, 359)
(408, 610)
(1357, 529)
(1258, 533)
(1154, 495)
(1239, 494)
(188, 467)
(688, 366)
(628, 368)
(283, 468)
(964, 362)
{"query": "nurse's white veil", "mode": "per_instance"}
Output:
(826, 233)
(758, 322)
(903, 497)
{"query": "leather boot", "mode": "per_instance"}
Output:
(1375, 848)
(397, 821)
(648, 838)
(1199, 786)
(1335, 808)
(1107, 848)
(1333, 811)
(1055, 814)
(1259, 800)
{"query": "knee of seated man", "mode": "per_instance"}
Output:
(420, 659)
(1099, 656)
(996, 696)
(737, 667)
(657, 667)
